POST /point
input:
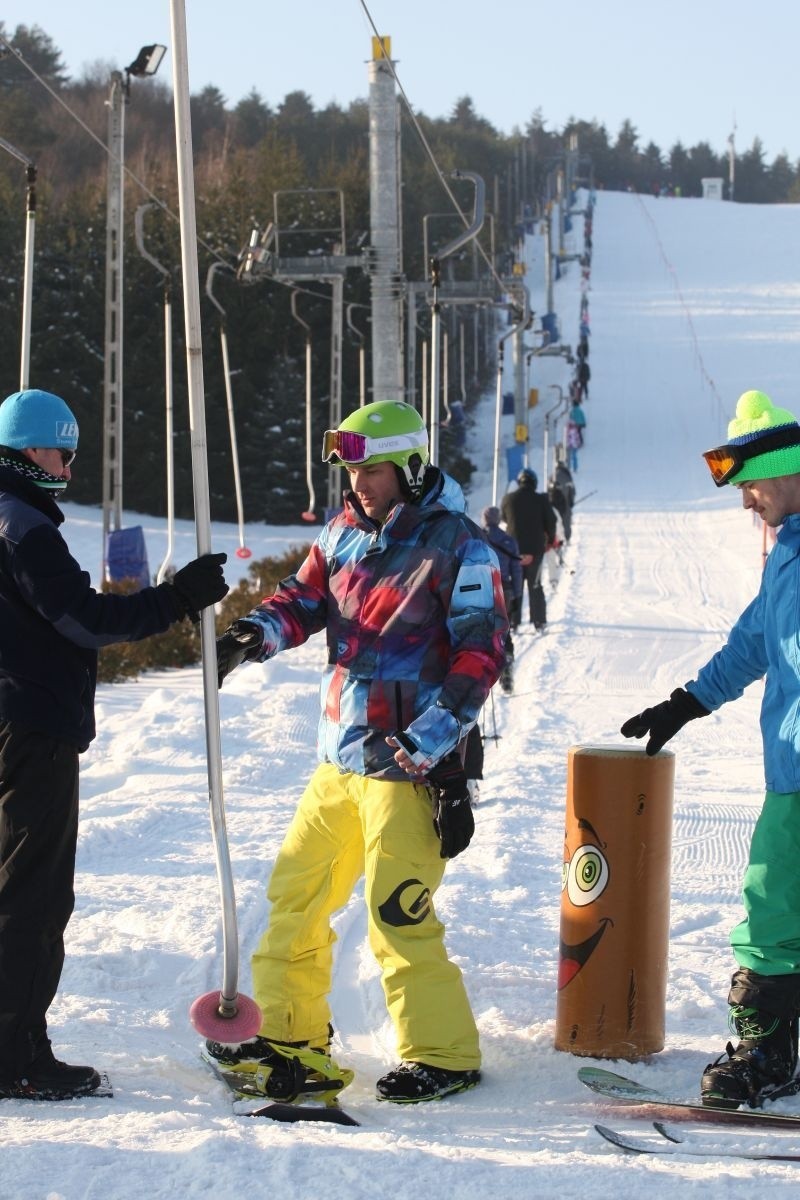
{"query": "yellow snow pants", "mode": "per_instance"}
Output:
(346, 826)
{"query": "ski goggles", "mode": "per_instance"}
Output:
(358, 448)
(726, 461)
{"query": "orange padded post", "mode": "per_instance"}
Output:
(614, 937)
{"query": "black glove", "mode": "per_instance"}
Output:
(664, 720)
(236, 645)
(515, 612)
(198, 584)
(452, 812)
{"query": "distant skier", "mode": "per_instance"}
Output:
(530, 518)
(762, 459)
(52, 623)
(508, 555)
(409, 596)
(583, 375)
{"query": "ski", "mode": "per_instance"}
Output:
(249, 1102)
(628, 1091)
(673, 1144)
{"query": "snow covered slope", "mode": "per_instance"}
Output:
(691, 303)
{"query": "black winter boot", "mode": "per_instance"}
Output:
(761, 1067)
(45, 1078)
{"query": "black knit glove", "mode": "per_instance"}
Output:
(452, 812)
(236, 644)
(198, 584)
(664, 720)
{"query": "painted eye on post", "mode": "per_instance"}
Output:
(586, 875)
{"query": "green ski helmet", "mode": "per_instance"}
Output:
(386, 431)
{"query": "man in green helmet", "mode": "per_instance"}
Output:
(411, 600)
(762, 459)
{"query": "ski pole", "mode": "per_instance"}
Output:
(222, 1015)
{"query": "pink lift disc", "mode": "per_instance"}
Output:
(209, 1021)
(243, 552)
(308, 516)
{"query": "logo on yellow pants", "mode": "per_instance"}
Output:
(401, 909)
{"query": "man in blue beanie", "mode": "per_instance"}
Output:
(52, 623)
(762, 459)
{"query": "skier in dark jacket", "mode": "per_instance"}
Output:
(508, 556)
(530, 518)
(52, 623)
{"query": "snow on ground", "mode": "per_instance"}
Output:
(691, 303)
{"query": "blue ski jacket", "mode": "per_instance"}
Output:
(52, 621)
(766, 640)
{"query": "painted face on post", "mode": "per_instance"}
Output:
(585, 877)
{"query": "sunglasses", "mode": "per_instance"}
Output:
(68, 457)
(357, 447)
(726, 461)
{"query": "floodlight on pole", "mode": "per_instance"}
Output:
(146, 63)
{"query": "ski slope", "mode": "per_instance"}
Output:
(691, 303)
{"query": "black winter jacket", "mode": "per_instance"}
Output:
(530, 518)
(52, 621)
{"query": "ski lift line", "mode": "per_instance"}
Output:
(138, 225)
(243, 551)
(309, 514)
(686, 310)
(15, 153)
(427, 147)
(166, 275)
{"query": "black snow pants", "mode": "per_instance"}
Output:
(38, 836)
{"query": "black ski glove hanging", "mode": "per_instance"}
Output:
(452, 811)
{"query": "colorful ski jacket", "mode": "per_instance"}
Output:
(52, 621)
(415, 621)
(766, 640)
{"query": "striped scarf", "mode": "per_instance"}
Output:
(29, 470)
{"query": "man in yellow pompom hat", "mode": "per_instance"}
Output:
(762, 459)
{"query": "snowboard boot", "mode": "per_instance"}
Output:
(412, 1083)
(761, 1067)
(282, 1070)
(45, 1078)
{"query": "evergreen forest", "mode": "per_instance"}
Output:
(252, 161)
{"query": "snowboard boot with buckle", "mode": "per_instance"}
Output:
(284, 1071)
(761, 1067)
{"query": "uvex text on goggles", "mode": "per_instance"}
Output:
(725, 461)
(358, 448)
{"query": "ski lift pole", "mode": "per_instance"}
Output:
(309, 514)
(168, 390)
(498, 408)
(362, 385)
(223, 1015)
(436, 321)
(27, 278)
(243, 551)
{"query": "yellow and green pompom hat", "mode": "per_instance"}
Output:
(763, 443)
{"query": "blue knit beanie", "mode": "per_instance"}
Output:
(34, 418)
